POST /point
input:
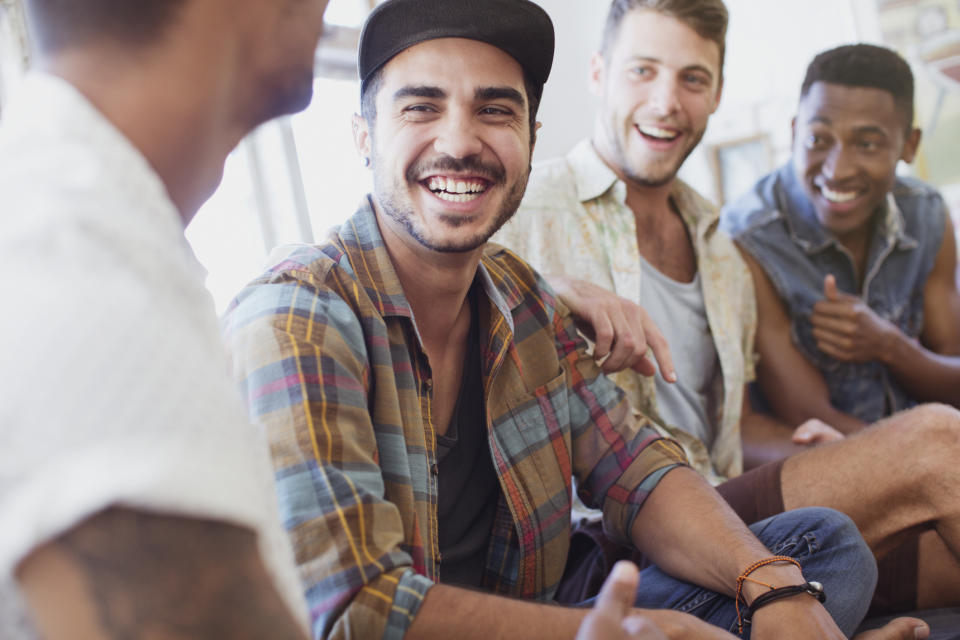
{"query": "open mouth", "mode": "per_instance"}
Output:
(658, 134)
(457, 190)
(838, 196)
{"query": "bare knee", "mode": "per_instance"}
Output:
(928, 436)
(934, 424)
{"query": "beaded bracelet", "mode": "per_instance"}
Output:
(745, 576)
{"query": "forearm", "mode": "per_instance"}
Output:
(925, 375)
(129, 574)
(684, 511)
(452, 612)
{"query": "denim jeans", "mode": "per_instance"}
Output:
(828, 547)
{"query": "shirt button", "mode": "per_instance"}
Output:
(429, 383)
(434, 469)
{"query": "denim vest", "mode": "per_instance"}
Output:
(777, 224)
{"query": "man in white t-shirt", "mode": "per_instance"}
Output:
(135, 498)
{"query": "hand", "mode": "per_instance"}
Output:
(814, 432)
(621, 330)
(847, 329)
(612, 617)
(898, 629)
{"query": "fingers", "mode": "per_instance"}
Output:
(639, 628)
(898, 629)
(629, 344)
(837, 347)
(814, 431)
(619, 591)
(833, 322)
(603, 330)
(830, 288)
(658, 345)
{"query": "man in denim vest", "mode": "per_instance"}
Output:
(854, 267)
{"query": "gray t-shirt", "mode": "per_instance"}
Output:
(692, 403)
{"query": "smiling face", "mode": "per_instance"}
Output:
(658, 85)
(847, 142)
(451, 144)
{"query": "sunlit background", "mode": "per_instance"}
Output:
(294, 178)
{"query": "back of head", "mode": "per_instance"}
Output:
(57, 25)
(708, 18)
(868, 66)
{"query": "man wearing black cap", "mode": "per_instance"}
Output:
(428, 401)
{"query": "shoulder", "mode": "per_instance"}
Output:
(521, 285)
(552, 186)
(755, 209)
(917, 198)
(550, 181)
(307, 291)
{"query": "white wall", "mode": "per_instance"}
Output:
(769, 44)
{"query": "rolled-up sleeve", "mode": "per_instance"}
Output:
(618, 458)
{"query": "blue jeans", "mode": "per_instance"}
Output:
(828, 547)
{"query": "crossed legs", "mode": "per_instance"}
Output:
(897, 478)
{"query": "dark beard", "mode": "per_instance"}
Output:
(403, 214)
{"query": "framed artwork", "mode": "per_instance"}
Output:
(927, 34)
(738, 164)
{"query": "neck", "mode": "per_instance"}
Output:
(435, 284)
(647, 202)
(179, 114)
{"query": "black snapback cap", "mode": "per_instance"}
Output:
(519, 27)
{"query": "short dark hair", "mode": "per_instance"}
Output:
(56, 24)
(369, 91)
(709, 18)
(865, 65)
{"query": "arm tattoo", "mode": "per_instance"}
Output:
(176, 577)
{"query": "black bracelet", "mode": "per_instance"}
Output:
(813, 588)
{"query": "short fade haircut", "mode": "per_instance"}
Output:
(369, 91)
(708, 18)
(58, 24)
(868, 66)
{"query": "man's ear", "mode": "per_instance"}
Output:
(533, 136)
(910, 145)
(361, 137)
(597, 74)
(793, 131)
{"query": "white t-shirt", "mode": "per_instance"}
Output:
(115, 386)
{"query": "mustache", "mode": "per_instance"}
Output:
(473, 165)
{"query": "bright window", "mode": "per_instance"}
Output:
(293, 178)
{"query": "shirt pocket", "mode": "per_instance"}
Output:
(536, 439)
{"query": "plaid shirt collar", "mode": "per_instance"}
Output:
(370, 261)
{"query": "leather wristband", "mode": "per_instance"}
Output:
(815, 589)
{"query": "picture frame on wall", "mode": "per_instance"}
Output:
(739, 163)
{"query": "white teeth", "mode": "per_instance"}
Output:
(456, 197)
(657, 132)
(838, 197)
(449, 187)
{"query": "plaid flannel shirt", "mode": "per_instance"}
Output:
(327, 349)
